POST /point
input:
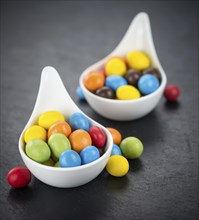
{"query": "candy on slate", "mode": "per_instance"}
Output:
(38, 150)
(49, 118)
(171, 92)
(127, 92)
(69, 158)
(80, 93)
(79, 121)
(60, 127)
(80, 139)
(138, 60)
(116, 135)
(89, 154)
(131, 147)
(117, 166)
(115, 66)
(148, 83)
(105, 92)
(58, 143)
(94, 81)
(98, 136)
(19, 177)
(116, 150)
(35, 132)
(114, 82)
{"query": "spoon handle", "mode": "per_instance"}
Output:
(52, 93)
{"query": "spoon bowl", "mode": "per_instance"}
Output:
(52, 95)
(137, 37)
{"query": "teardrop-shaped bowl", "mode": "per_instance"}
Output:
(52, 95)
(137, 37)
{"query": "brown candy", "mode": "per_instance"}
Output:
(106, 92)
(132, 77)
(152, 70)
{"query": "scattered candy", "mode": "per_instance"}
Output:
(38, 150)
(116, 150)
(80, 93)
(117, 166)
(58, 143)
(148, 83)
(89, 154)
(19, 177)
(69, 158)
(131, 147)
(49, 118)
(116, 135)
(172, 92)
(127, 92)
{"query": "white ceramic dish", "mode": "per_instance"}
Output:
(137, 37)
(52, 95)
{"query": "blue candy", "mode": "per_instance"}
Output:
(79, 121)
(148, 84)
(116, 150)
(114, 82)
(89, 154)
(69, 158)
(80, 93)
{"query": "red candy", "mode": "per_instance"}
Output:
(98, 137)
(171, 93)
(19, 177)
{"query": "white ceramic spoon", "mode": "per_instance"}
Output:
(137, 37)
(52, 95)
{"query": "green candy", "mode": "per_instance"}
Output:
(49, 162)
(58, 143)
(38, 150)
(131, 147)
(57, 164)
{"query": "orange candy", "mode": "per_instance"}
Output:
(94, 81)
(116, 135)
(60, 127)
(80, 139)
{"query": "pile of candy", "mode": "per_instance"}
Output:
(124, 78)
(123, 149)
(59, 143)
(56, 142)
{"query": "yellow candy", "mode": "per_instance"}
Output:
(115, 66)
(127, 92)
(117, 166)
(49, 118)
(35, 132)
(138, 60)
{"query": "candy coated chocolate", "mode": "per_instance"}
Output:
(132, 77)
(152, 70)
(106, 92)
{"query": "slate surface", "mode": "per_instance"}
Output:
(163, 183)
